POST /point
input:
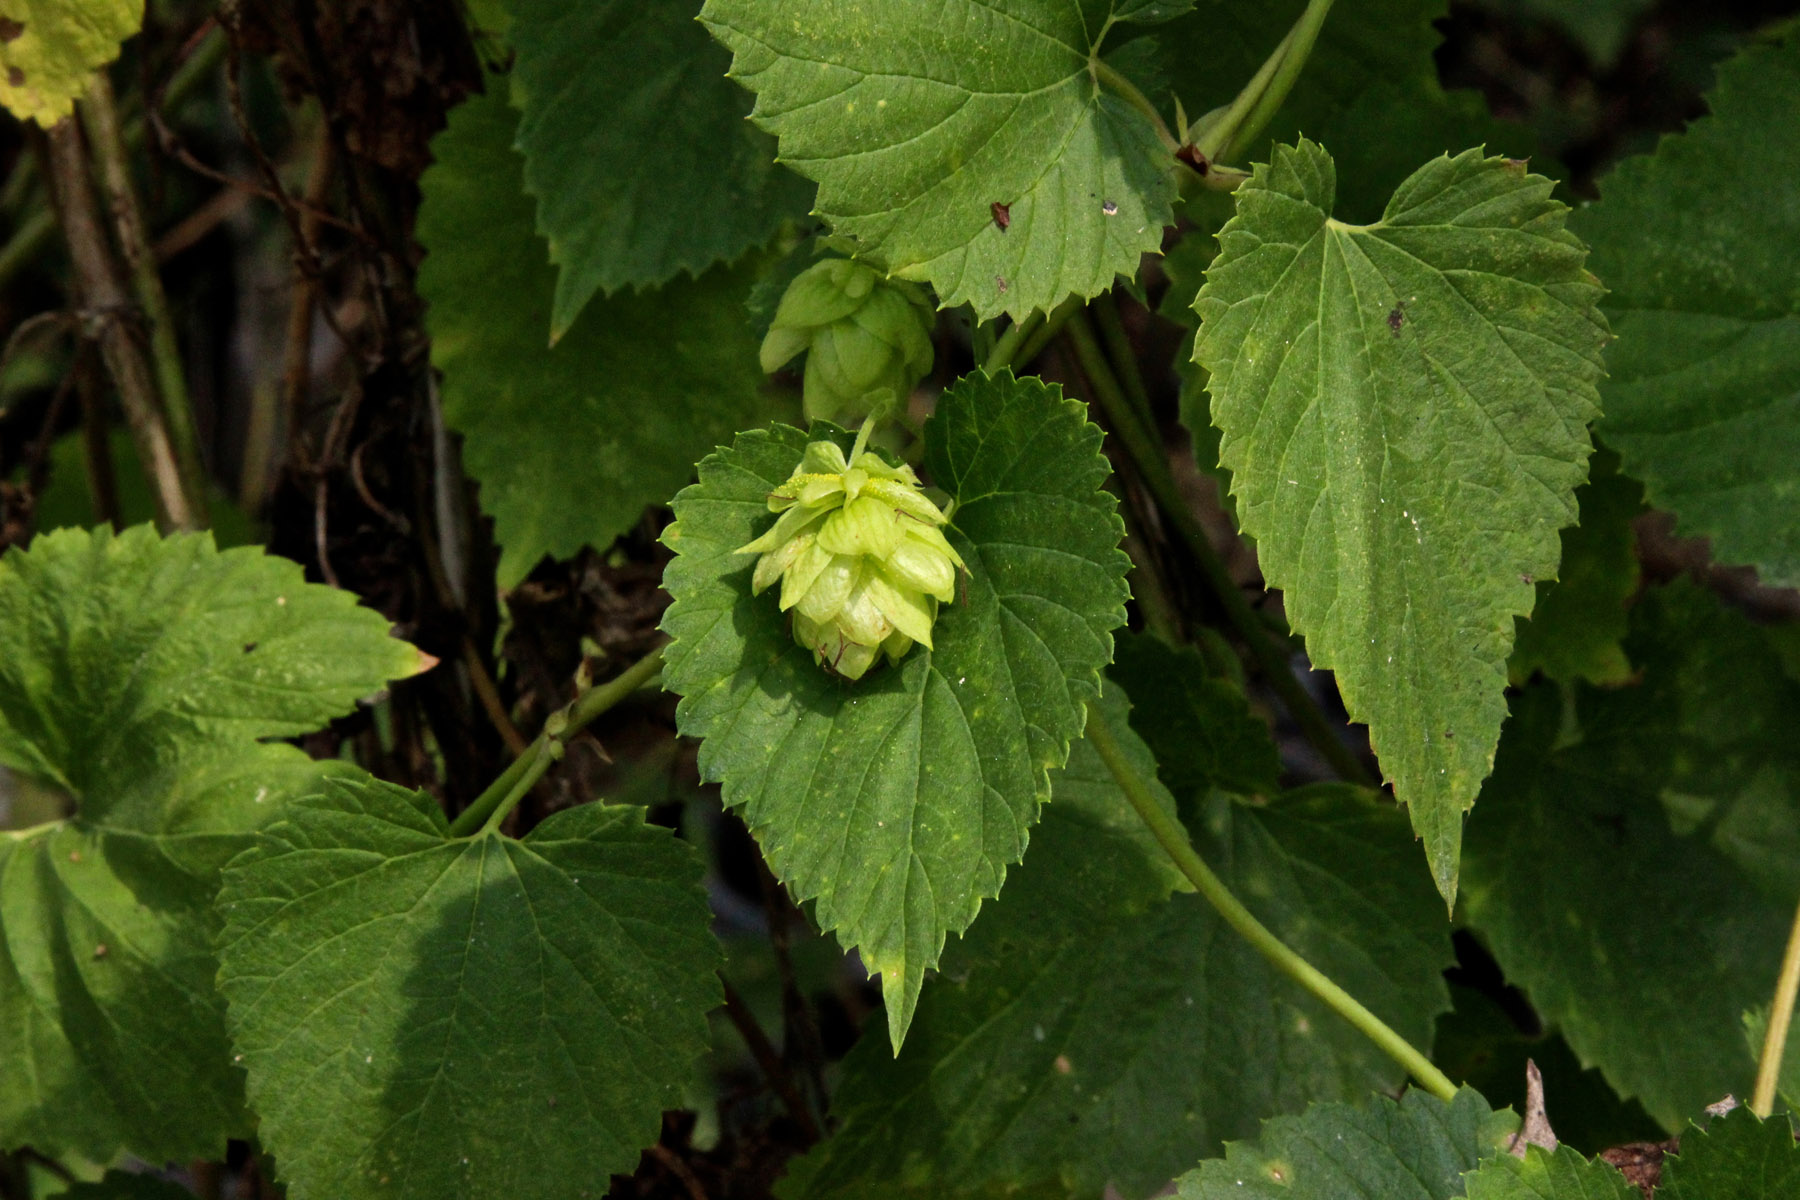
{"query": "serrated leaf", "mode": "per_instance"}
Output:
(1579, 620)
(1548, 1175)
(1079, 1041)
(429, 1016)
(1614, 867)
(911, 162)
(1404, 412)
(1417, 1149)
(1696, 244)
(1201, 728)
(137, 674)
(1737, 1155)
(670, 179)
(49, 50)
(570, 444)
(897, 802)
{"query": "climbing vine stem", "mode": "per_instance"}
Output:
(503, 795)
(1174, 840)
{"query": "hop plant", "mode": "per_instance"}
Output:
(861, 556)
(867, 338)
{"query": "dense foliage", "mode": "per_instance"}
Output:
(1050, 597)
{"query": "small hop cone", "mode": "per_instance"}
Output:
(867, 338)
(861, 557)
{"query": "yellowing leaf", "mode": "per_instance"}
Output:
(49, 48)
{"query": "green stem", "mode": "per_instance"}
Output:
(1052, 325)
(503, 795)
(1781, 1015)
(1005, 350)
(1145, 452)
(1255, 106)
(1127, 91)
(1174, 840)
(1124, 358)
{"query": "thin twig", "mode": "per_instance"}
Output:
(763, 1051)
(680, 1170)
(100, 118)
(102, 296)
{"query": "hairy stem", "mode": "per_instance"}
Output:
(1145, 452)
(1174, 840)
(100, 118)
(1255, 106)
(490, 808)
(1781, 1015)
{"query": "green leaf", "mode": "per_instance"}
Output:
(1404, 411)
(1078, 1041)
(671, 179)
(137, 674)
(898, 802)
(1615, 867)
(1545, 1175)
(1480, 1043)
(1417, 1149)
(911, 162)
(428, 1016)
(1201, 729)
(1579, 620)
(570, 444)
(1737, 1155)
(49, 50)
(1696, 243)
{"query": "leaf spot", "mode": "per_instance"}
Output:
(1110, 208)
(1063, 1065)
(15, 77)
(1395, 319)
(10, 30)
(1002, 217)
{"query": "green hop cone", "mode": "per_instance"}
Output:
(867, 338)
(861, 556)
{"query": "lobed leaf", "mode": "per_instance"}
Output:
(672, 179)
(1088, 1036)
(572, 443)
(429, 1016)
(897, 802)
(916, 129)
(1404, 411)
(137, 674)
(1631, 864)
(1696, 244)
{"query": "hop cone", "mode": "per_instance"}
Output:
(861, 557)
(867, 338)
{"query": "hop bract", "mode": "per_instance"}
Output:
(867, 338)
(861, 557)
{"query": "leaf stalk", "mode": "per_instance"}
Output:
(1174, 840)
(495, 803)
(1232, 131)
